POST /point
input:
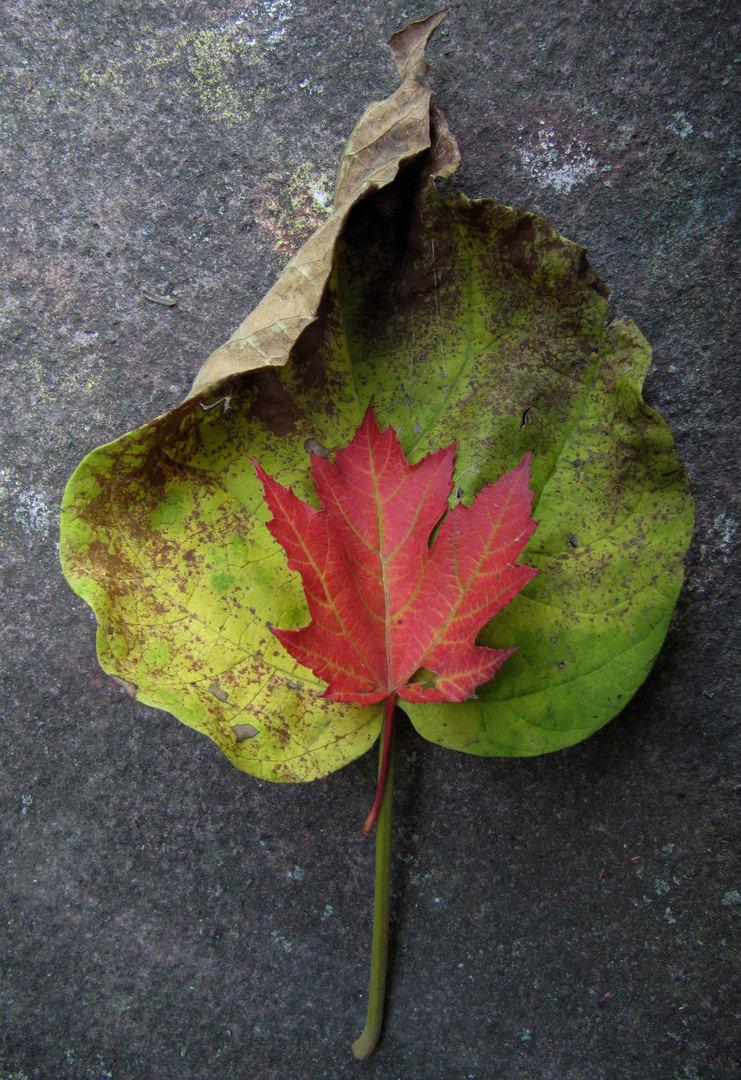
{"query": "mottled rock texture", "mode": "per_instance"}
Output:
(571, 917)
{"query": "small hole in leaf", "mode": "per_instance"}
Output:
(218, 692)
(423, 678)
(313, 446)
(244, 731)
(129, 687)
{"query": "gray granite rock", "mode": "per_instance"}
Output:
(572, 917)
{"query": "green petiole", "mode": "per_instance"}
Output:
(364, 1046)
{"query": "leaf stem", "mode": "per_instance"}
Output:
(364, 1046)
(387, 732)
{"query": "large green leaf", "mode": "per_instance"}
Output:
(459, 320)
(466, 321)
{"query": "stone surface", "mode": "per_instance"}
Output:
(574, 916)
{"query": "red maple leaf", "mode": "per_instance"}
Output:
(386, 606)
(392, 614)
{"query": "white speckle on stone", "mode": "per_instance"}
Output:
(30, 510)
(85, 337)
(557, 167)
(283, 942)
(278, 13)
(680, 125)
(720, 536)
(419, 879)
(725, 528)
(311, 87)
(320, 195)
(731, 898)
(669, 917)
(328, 912)
(298, 873)
(661, 886)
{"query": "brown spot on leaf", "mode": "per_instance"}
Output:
(308, 354)
(152, 468)
(518, 243)
(274, 407)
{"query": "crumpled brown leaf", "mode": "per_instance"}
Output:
(389, 133)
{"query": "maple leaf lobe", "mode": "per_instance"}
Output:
(390, 613)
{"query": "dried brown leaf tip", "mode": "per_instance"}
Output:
(389, 133)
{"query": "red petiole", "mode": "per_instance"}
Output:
(388, 730)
